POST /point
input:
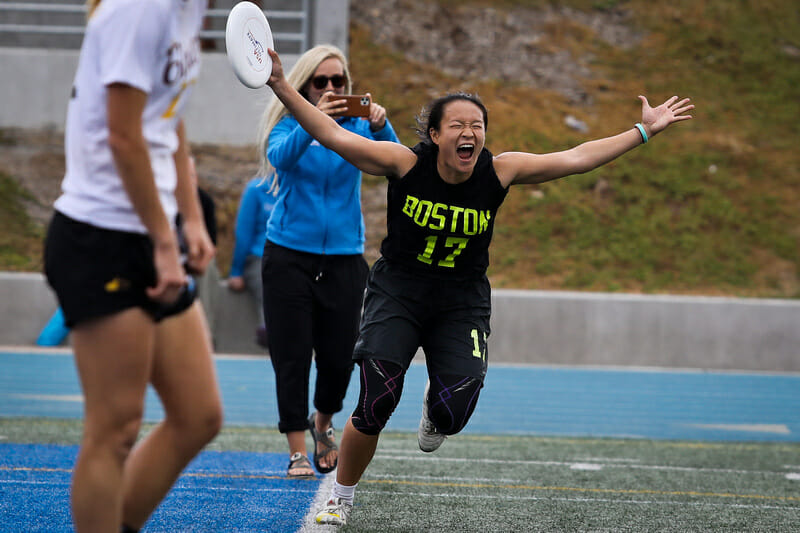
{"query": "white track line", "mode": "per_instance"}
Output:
(582, 500)
(310, 526)
(571, 464)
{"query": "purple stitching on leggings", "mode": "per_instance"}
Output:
(391, 386)
(445, 394)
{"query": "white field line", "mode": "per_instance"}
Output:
(778, 429)
(48, 397)
(607, 460)
(323, 493)
(281, 490)
(313, 527)
(578, 500)
(579, 464)
(64, 484)
(6, 349)
(177, 486)
(571, 464)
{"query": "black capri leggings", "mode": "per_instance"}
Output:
(312, 304)
(451, 399)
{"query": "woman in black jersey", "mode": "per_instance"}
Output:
(429, 289)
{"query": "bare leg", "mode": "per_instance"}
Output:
(184, 377)
(355, 454)
(113, 355)
(297, 442)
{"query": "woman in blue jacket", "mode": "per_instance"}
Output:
(313, 270)
(251, 235)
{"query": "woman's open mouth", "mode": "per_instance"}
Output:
(465, 151)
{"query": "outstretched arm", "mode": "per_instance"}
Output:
(519, 167)
(374, 157)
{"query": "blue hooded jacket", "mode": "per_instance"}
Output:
(251, 223)
(318, 208)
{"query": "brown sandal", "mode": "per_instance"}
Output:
(298, 461)
(324, 439)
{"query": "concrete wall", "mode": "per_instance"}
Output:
(578, 328)
(27, 303)
(559, 328)
(330, 23)
(36, 83)
(221, 110)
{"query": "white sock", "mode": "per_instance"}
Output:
(345, 492)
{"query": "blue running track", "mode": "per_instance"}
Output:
(248, 489)
(523, 400)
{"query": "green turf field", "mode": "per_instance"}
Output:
(508, 483)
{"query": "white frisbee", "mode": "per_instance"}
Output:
(247, 37)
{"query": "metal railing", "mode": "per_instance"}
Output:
(61, 23)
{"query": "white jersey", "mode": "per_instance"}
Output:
(151, 45)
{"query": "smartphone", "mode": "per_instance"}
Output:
(357, 105)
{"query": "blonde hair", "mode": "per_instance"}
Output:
(91, 5)
(298, 78)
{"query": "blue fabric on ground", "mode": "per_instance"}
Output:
(55, 331)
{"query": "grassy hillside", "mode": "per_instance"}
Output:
(710, 207)
(20, 240)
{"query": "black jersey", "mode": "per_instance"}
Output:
(440, 229)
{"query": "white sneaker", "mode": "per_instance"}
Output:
(428, 438)
(335, 512)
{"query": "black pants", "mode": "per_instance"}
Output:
(312, 304)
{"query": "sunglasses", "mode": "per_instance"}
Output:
(320, 82)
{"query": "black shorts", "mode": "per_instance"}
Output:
(97, 272)
(448, 319)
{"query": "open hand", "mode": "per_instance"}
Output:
(656, 119)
